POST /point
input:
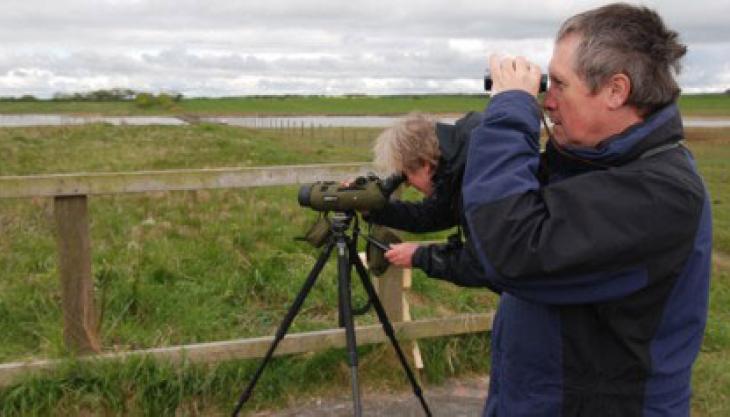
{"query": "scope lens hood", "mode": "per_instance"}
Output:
(305, 195)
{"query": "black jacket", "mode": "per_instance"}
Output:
(450, 261)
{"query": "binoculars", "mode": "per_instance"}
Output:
(488, 82)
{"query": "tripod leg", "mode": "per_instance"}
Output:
(284, 326)
(341, 294)
(345, 288)
(388, 328)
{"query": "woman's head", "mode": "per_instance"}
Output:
(407, 145)
(410, 146)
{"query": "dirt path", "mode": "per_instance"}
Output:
(455, 398)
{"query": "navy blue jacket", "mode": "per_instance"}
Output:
(603, 259)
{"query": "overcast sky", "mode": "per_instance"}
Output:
(225, 48)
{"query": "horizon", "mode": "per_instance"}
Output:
(285, 95)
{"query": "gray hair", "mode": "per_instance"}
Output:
(623, 39)
(408, 144)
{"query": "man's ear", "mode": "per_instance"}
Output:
(617, 91)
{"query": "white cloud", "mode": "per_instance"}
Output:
(228, 47)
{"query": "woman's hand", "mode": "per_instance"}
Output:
(401, 254)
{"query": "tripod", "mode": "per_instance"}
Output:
(346, 257)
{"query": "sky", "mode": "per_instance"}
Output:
(327, 47)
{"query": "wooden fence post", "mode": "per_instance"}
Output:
(390, 287)
(74, 266)
(390, 292)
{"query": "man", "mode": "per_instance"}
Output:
(432, 157)
(601, 247)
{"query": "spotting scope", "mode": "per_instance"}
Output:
(365, 193)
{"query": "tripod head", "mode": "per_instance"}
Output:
(325, 227)
(341, 221)
(379, 238)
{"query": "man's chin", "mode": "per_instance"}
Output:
(560, 139)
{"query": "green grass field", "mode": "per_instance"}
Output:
(710, 105)
(711, 378)
(284, 105)
(187, 267)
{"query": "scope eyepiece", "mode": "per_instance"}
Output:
(390, 184)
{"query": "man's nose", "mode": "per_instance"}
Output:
(548, 102)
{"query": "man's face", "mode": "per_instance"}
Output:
(420, 178)
(578, 116)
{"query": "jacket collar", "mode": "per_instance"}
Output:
(661, 128)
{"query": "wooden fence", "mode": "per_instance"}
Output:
(71, 193)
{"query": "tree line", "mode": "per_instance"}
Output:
(113, 94)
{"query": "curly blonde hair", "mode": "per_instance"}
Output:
(407, 145)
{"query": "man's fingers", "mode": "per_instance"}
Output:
(521, 64)
(514, 74)
(494, 62)
(535, 70)
(505, 64)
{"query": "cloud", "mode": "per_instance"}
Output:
(314, 47)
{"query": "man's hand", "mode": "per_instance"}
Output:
(401, 254)
(514, 74)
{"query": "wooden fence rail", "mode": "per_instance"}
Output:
(214, 352)
(172, 180)
(71, 192)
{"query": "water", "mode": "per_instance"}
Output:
(319, 121)
(377, 121)
(698, 122)
(23, 120)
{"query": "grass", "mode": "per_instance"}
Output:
(337, 105)
(284, 105)
(154, 254)
(102, 147)
(147, 388)
(186, 267)
(712, 105)
(711, 376)
(711, 148)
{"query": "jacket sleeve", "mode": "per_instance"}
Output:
(452, 262)
(429, 215)
(583, 239)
